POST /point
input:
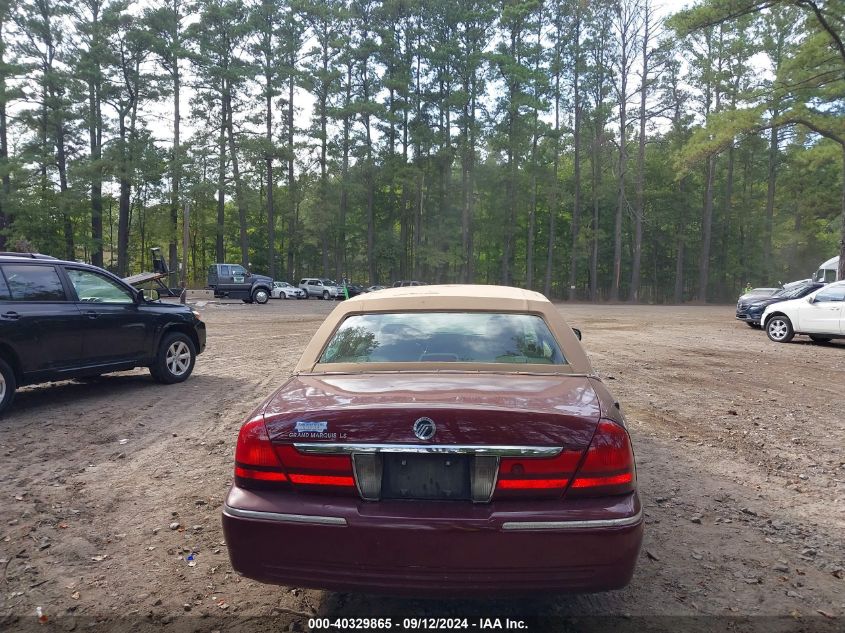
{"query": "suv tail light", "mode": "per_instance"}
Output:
(261, 464)
(608, 467)
(536, 477)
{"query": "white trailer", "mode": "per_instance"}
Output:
(828, 271)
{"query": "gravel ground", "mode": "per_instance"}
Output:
(110, 491)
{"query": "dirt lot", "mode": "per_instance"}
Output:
(741, 468)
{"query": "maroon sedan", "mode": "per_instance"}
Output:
(438, 440)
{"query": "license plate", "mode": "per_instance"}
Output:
(411, 476)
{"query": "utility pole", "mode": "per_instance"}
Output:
(185, 236)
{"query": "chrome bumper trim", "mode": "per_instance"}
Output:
(499, 451)
(282, 518)
(572, 525)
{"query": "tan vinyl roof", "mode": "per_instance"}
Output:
(445, 298)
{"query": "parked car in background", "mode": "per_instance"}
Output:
(320, 288)
(61, 320)
(751, 310)
(233, 281)
(820, 315)
(451, 440)
(374, 288)
(402, 284)
(351, 290)
(828, 271)
(758, 292)
(283, 290)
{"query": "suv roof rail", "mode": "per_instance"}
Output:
(27, 255)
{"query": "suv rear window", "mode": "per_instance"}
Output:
(461, 337)
(33, 283)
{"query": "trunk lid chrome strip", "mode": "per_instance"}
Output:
(500, 451)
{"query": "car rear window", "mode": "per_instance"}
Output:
(34, 283)
(461, 337)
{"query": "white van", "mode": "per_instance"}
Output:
(827, 272)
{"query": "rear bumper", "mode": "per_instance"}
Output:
(433, 548)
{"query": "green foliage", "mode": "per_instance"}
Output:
(420, 139)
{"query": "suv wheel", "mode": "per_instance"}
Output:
(175, 359)
(779, 329)
(325, 295)
(8, 384)
(260, 296)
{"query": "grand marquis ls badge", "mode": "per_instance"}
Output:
(424, 428)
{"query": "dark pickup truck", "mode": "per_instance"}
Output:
(233, 281)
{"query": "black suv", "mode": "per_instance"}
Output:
(62, 320)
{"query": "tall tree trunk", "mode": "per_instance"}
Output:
(841, 274)
(236, 175)
(219, 246)
(771, 179)
(175, 173)
(594, 251)
(369, 184)
(714, 91)
(344, 172)
(639, 208)
(576, 133)
(621, 200)
(6, 185)
(418, 215)
(680, 243)
(532, 207)
(706, 230)
(95, 138)
(61, 164)
(268, 162)
(468, 185)
(725, 224)
(292, 218)
(124, 201)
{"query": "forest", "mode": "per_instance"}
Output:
(604, 150)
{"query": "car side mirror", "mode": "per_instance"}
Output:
(154, 295)
(577, 333)
(811, 299)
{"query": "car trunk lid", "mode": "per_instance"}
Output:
(439, 436)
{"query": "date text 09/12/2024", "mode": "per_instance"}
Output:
(409, 624)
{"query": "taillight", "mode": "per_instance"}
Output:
(608, 467)
(535, 477)
(261, 464)
(256, 463)
(317, 472)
